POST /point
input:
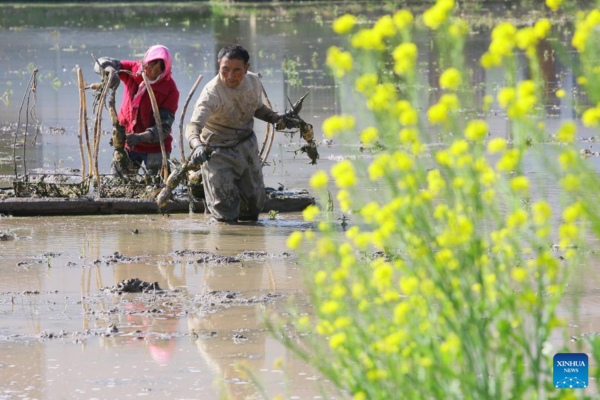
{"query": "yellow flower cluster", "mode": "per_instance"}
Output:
(503, 43)
(337, 124)
(519, 102)
(366, 83)
(344, 24)
(383, 98)
(450, 79)
(344, 174)
(476, 130)
(591, 116)
(438, 14)
(567, 132)
(583, 28)
(319, 180)
(553, 4)
(438, 113)
(372, 39)
(369, 135)
(403, 19)
(339, 61)
(405, 56)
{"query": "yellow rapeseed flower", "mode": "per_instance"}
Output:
(437, 114)
(294, 240)
(553, 4)
(459, 28)
(409, 117)
(542, 27)
(518, 274)
(344, 175)
(405, 56)
(567, 132)
(310, 212)
(385, 26)
(366, 83)
(403, 19)
(590, 117)
(497, 145)
(506, 96)
(573, 212)
(339, 61)
(369, 135)
(560, 93)
(450, 79)
(337, 124)
(367, 39)
(383, 98)
(319, 180)
(344, 24)
(541, 212)
(520, 184)
(408, 135)
(330, 307)
(526, 38)
(509, 161)
(476, 130)
(337, 340)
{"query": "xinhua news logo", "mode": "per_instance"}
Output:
(571, 371)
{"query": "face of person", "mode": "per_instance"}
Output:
(232, 71)
(154, 69)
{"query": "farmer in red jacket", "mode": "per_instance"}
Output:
(142, 140)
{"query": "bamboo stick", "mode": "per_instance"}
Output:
(25, 96)
(164, 170)
(98, 128)
(85, 123)
(264, 160)
(269, 131)
(80, 130)
(183, 115)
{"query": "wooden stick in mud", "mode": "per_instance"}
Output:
(164, 170)
(270, 132)
(25, 96)
(98, 128)
(272, 136)
(83, 101)
(183, 115)
(80, 130)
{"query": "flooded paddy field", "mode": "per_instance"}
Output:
(66, 331)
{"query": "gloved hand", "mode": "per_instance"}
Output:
(114, 81)
(201, 153)
(133, 140)
(280, 124)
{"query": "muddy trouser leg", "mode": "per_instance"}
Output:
(251, 183)
(133, 166)
(218, 177)
(154, 162)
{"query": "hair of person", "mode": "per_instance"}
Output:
(234, 52)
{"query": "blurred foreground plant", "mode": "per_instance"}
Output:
(447, 284)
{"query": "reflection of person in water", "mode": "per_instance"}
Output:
(223, 355)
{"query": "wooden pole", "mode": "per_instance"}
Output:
(269, 132)
(98, 128)
(272, 136)
(164, 170)
(80, 130)
(85, 122)
(183, 115)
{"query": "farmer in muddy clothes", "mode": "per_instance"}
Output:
(142, 139)
(221, 135)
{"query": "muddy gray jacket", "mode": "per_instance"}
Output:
(224, 116)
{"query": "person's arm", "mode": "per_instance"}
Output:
(167, 110)
(264, 113)
(109, 64)
(203, 109)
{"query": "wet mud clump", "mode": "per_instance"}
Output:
(134, 285)
(6, 236)
(206, 257)
(217, 297)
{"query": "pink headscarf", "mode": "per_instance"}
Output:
(157, 52)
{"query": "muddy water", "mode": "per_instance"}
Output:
(57, 335)
(173, 344)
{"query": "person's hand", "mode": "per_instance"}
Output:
(133, 140)
(200, 155)
(113, 83)
(280, 125)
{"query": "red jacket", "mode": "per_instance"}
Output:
(137, 116)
